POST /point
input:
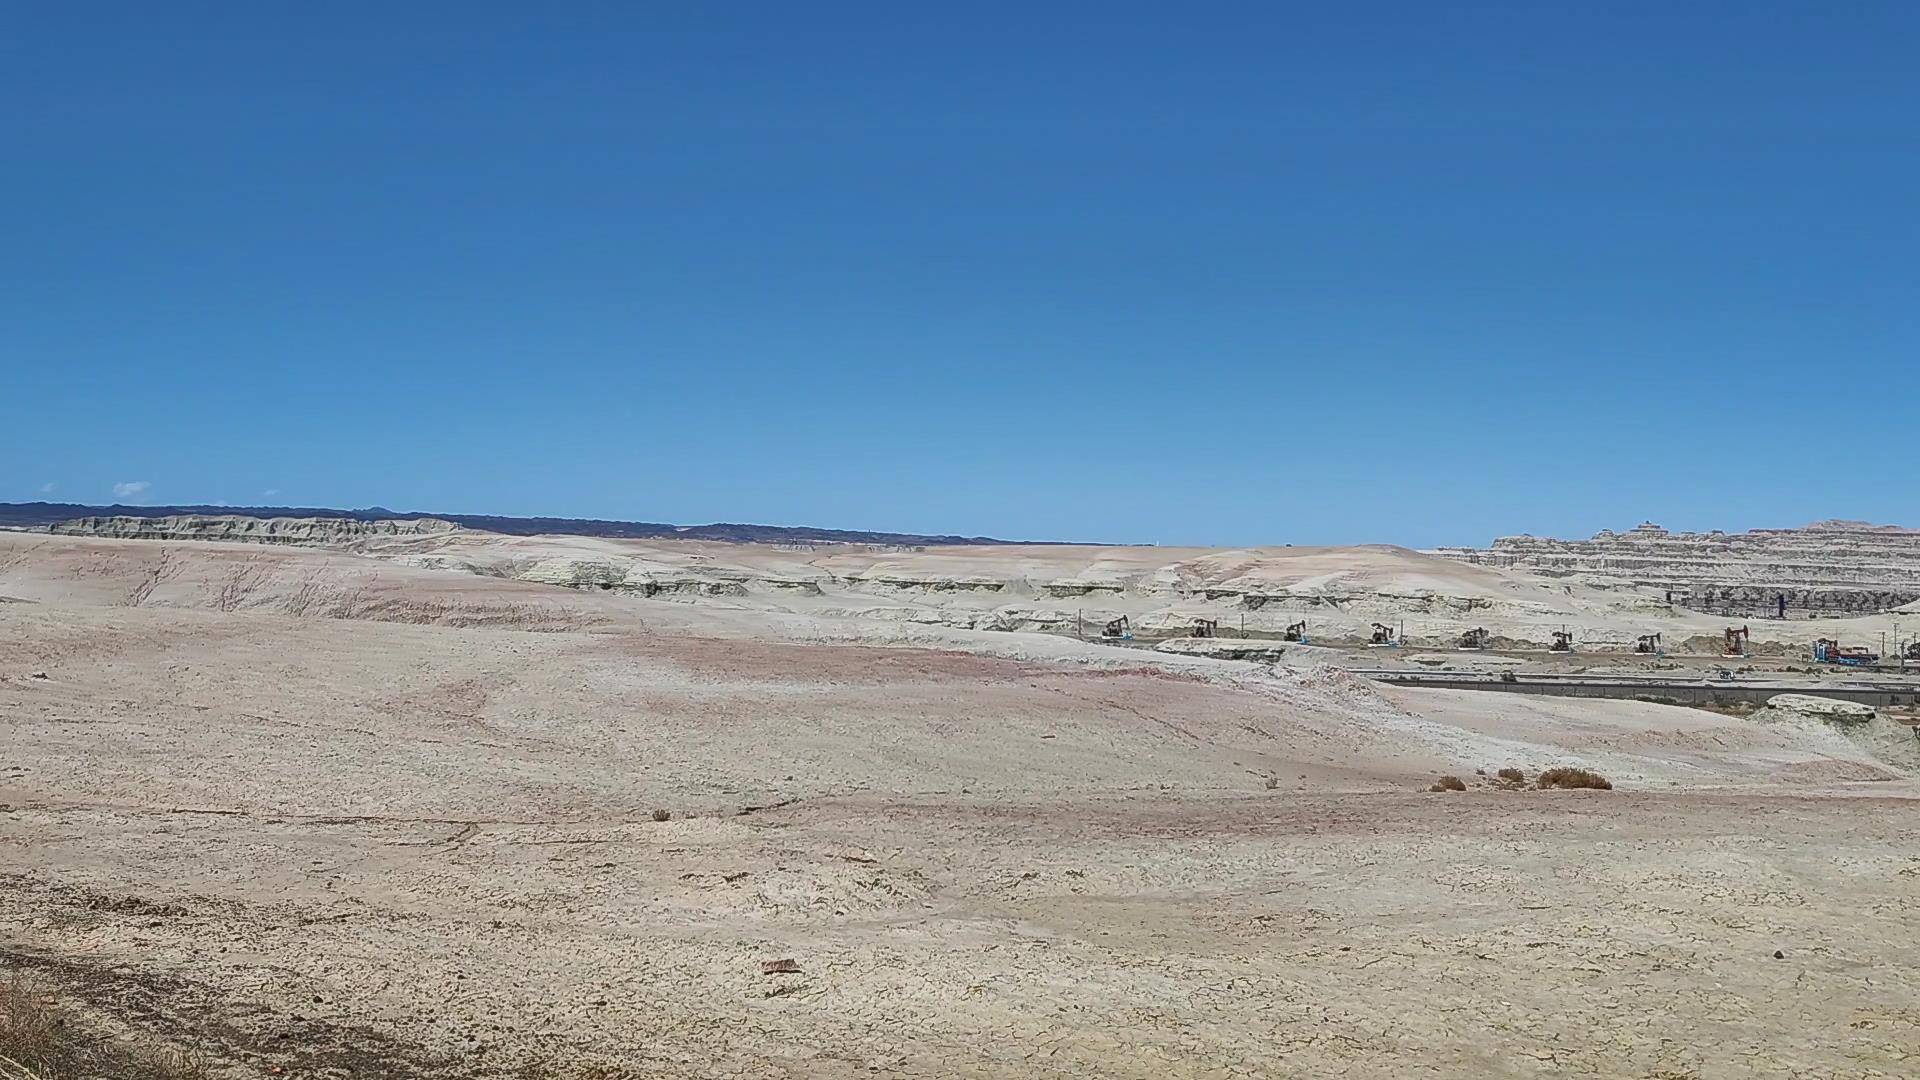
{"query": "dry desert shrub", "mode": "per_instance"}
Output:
(241, 582)
(1566, 776)
(152, 576)
(20, 556)
(39, 1042)
(98, 565)
(467, 613)
(1449, 783)
(308, 594)
(318, 596)
(1512, 775)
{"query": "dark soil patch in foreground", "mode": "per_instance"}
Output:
(211, 1028)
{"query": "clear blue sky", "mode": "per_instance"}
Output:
(1226, 273)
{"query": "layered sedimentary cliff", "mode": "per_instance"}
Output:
(1827, 568)
(39, 515)
(253, 530)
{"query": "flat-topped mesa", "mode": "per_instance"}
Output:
(250, 530)
(1828, 567)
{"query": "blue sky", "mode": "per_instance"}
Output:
(1219, 273)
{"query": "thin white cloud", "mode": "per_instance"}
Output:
(129, 489)
(47, 488)
(269, 493)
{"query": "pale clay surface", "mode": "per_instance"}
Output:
(416, 838)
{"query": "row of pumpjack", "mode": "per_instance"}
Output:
(1825, 650)
(1121, 629)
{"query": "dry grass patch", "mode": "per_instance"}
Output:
(1566, 776)
(38, 1041)
(1512, 775)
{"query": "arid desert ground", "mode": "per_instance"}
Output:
(463, 805)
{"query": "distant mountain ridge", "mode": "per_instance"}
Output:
(35, 514)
